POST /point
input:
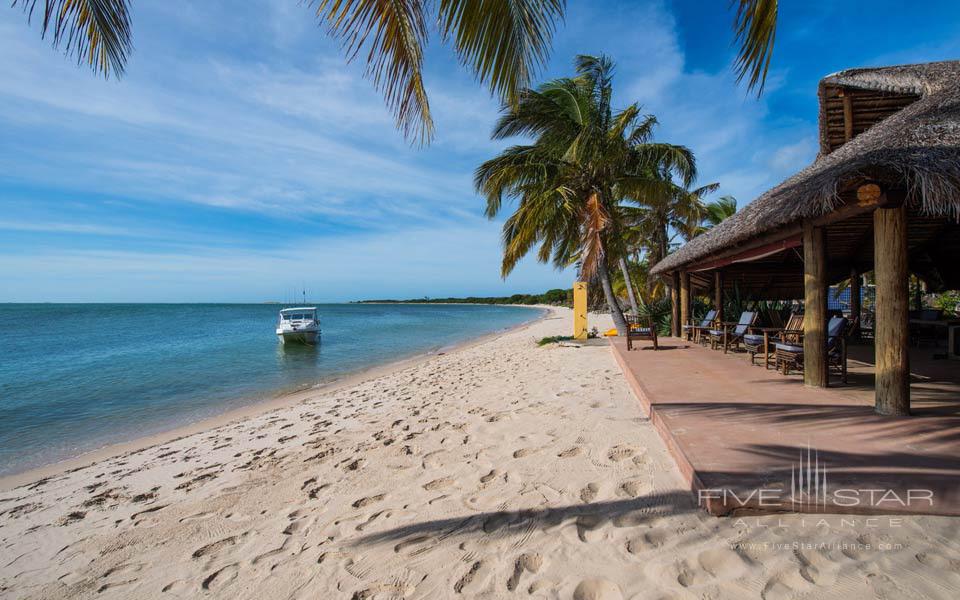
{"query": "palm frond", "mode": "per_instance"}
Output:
(504, 42)
(97, 32)
(670, 158)
(755, 31)
(393, 33)
(719, 210)
(642, 133)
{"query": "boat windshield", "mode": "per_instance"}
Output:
(298, 317)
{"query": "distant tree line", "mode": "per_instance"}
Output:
(557, 297)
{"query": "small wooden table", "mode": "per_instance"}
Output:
(766, 331)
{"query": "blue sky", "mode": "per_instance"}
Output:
(240, 158)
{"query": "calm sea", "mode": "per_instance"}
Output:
(75, 377)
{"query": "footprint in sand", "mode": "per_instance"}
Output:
(529, 562)
(722, 563)
(635, 487)
(213, 547)
(394, 589)
(362, 502)
(589, 493)
(473, 580)
(489, 476)
(597, 589)
(648, 541)
(524, 452)
(72, 517)
(220, 578)
(785, 585)
(621, 452)
(119, 576)
(571, 452)
(438, 484)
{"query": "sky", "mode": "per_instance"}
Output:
(241, 159)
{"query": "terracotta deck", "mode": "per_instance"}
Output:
(738, 433)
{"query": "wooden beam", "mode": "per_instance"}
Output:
(752, 254)
(847, 117)
(856, 307)
(815, 372)
(891, 331)
(685, 317)
(675, 321)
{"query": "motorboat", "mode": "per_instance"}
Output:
(298, 325)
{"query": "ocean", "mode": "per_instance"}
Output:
(77, 377)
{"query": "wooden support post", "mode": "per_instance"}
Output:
(685, 317)
(856, 307)
(675, 328)
(718, 294)
(815, 372)
(847, 118)
(892, 311)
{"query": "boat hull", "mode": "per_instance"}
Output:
(298, 337)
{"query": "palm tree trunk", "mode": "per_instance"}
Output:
(629, 284)
(618, 321)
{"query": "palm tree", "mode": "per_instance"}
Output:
(503, 42)
(656, 220)
(569, 183)
(719, 210)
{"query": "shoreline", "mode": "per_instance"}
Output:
(284, 399)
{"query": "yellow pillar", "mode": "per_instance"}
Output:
(580, 310)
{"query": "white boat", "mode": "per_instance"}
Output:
(298, 325)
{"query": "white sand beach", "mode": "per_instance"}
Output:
(500, 469)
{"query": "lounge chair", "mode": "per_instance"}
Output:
(789, 355)
(641, 328)
(732, 333)
(754, 343)
(692, 332)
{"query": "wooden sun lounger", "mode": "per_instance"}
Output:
(763, 339)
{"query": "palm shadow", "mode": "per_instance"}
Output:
(503, 524)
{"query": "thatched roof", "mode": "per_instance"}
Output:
(915, 144)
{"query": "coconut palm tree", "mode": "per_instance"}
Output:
(504, 42)
(569, 182)
(719, 210)
(656, 220)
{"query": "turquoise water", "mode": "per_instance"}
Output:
(75, 377)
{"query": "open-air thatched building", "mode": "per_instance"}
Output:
(883, 194)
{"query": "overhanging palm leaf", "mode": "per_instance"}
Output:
(504, 42)
(97, 32)
(394, 33)
(755, 31)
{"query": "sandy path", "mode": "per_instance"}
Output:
(498, 470)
